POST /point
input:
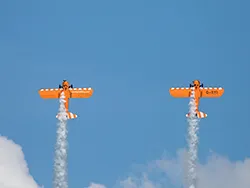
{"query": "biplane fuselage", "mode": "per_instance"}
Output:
(69, 92)
(199, 92)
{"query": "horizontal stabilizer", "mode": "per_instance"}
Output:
(68, 115)
(199, 114)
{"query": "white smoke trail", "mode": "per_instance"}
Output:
(60, 165)
(192, 142)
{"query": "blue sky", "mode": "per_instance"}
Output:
(130, 53)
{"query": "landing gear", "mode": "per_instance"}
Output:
(60, 86)
(201, 85)
(71, 86)
(190, 85)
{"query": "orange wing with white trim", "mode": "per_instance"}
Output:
(209, 92)
(180, 92)
(50, 93)
(81, 92)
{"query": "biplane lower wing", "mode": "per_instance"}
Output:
(211, 92)
(80, 92)
(50, 93)
(180, 92)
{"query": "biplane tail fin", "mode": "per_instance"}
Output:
(199, 114)
(69, 115)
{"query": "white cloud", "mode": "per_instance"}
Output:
(14, 172)
(95, 185)
(169, 172)
(220, 172)
(142, 182)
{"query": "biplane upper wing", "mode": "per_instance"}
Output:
(180, 92)
(81, 92)
(209, 92)
(50, 93)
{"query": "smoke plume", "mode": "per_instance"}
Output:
(192, 143)
(60, 165)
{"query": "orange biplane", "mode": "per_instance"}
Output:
(69, 92)
(199, 92)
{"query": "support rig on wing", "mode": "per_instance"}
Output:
(60, 86)
(196, 83)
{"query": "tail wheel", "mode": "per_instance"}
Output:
(60, 86)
